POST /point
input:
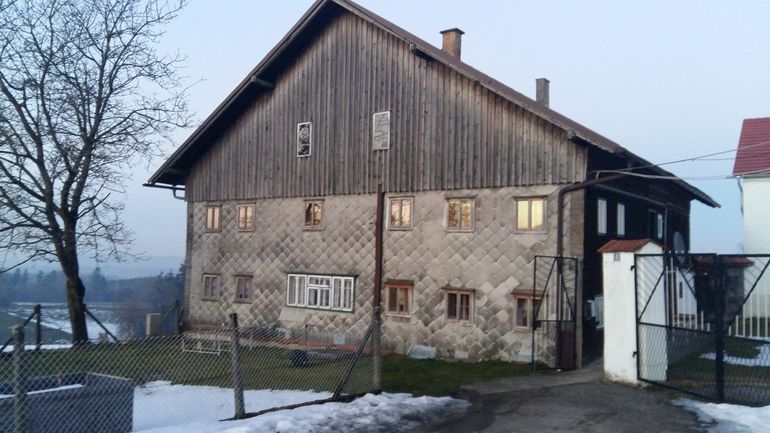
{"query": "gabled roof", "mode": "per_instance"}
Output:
(172, 172)
(626, 245)
(753, 155)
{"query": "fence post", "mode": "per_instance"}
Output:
(38, 328)
(19, 382)
(235, 351)
(718, 290)
(178, 318)
(376, 352)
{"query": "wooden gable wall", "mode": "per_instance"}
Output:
(447, 132)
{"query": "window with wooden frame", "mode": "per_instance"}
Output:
(601, 216)
(304, 139)
(400, 215)
(313, 214)
(523, 311)
(213, 214)
(461, 214)
(530, 214)
(459, 305)
(381, 130)
(210, 286)
(327, 292)
(243, 288)
(245, 217)
(621, 223)
(399, 296)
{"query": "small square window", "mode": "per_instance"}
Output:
(460, 214)
(210, 286)
(243, 288)
(459, 305)
(246, 217)
(213, 218)
(313, 214)
(399, 299)
(530, 214)
(523, 312)
(400, 215)
(304, 139)
(601, 216)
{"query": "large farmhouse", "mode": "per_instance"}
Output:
(281, 179)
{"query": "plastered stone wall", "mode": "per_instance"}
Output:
(493, 260)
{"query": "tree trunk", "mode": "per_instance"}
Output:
(77, 309)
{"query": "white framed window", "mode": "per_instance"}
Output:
(399, 297)
(530, 214)
(210, 286)
(304, 139)
(381, 130)
(243, 288)
(325, 292)
(659, 225)
(621, 226)
(459, 305)
(601, 216)
(461, 214)
(213, 214)
(400, 215)
(245, 217)
(313, 214)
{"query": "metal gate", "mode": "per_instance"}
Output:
(554, 291)
(703, 324)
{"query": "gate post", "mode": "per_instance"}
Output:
(235, 352)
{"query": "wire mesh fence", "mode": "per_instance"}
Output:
(153, 382)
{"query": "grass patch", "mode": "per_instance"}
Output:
(742, 348)
(437, 377)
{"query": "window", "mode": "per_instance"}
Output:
(523, 312)
(659, 226)
(246, 217)
(621, 219)
(243, 285)
(212, 218)
(399, 298)
(313, 210)
(400, 216)
(304, 138)
(210, 286)
(530, 214)
(381, 130)
(460, 212)
(601, 216)
(459, 305)
(320, 291)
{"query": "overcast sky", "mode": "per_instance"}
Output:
(665, 79)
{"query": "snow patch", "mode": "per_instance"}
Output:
(761, 360)
(730, 418)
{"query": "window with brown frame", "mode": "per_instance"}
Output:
(460, 214)
(459, 305)
(243, 288)
(313, 213)
(399, 297)
(400, 216)
(210, 286)
(530, 214)
(246, 217)
(213, 218)
(523, 312)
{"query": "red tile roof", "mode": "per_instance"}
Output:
(625, 245)
(753, 148)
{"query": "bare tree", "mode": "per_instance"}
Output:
(84, 94)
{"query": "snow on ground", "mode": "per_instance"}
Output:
(761, 360)
(160, 407)
(56, 316)
(730, 418)
(28, 347)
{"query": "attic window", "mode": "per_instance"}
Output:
(381, 130)
(304, 138)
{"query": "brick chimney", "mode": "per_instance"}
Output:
(452, 41)
(542, 91)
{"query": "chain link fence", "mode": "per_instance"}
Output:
(206, 374)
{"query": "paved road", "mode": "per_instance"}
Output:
(565, 402)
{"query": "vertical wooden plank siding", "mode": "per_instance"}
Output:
(447, 132)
